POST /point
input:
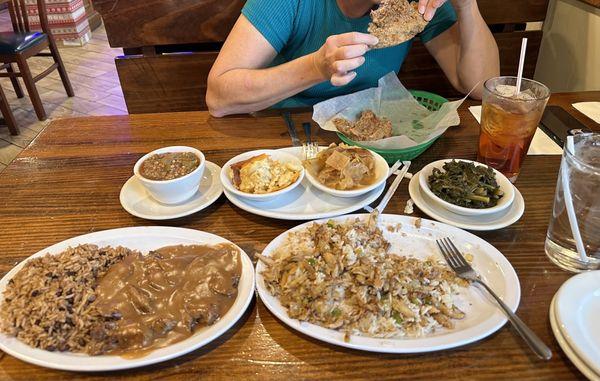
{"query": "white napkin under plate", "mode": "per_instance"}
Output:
(541, 143)
(589, 109)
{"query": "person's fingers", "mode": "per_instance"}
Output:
(355, 38)
(351, 51)
(432, 6)
(422, 6)
(342, 79)
(344, 66)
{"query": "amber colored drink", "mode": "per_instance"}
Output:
(505, 138)
(508, 123)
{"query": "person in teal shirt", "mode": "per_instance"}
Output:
(294, 53)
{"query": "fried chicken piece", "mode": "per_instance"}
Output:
(367, 127)
(395, 22)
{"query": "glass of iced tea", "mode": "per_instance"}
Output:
(509, 121)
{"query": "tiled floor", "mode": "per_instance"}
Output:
(91, 69)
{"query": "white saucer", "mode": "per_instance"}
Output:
(578, 362)
(136, 200)
(577, 307)
(488, 222)
(305, 202)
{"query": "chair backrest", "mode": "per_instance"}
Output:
(19, 18)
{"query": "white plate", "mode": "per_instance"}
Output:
(136, 200)
(142, 239)
(577, 311)
(489, 222)
(279, 155)
(503, 183)
(579, 364)
(305, 202)
(381, 171)
(483, 317)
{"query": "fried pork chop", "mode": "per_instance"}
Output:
(367, 127)
(395, 22)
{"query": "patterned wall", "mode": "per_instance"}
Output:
(67, 19)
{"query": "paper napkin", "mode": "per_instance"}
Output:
(541, 143)
(589, 109)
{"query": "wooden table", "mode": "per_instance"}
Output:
(67, 183)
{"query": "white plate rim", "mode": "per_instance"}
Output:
(239, 202)
(418, 198)
(502, 181)
(242, 204)
(214, 169)
(87, 363)
(564, 345)
(227, 183)
(493, 323)
(566, 298)
(381, 163)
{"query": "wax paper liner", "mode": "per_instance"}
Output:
(413, 124)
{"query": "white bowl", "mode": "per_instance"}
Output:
(505, 186)
(381, 174)
(176, 190)
(282, 157)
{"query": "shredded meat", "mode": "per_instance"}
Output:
(345, 167)
(367, 127)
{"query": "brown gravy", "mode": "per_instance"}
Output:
(164, 297)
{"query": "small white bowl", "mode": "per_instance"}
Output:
(176, 190)
(282, 157)
(381, 174)
(503, 203)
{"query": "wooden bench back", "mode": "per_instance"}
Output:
(170, 47)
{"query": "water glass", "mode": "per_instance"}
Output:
(575, 217)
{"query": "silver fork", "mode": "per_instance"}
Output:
(309, 148)
(457, 262)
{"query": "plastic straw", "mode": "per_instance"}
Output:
(570, 147)
(521, 64)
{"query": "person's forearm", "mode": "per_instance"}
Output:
(478, 57)
(249, 90)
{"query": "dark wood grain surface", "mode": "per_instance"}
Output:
(136, 23)
(165, 83)
(67, 183)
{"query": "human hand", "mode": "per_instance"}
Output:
(428, 7)
(340, 55)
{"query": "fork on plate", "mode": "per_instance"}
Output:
(463, 269)
(310, 148)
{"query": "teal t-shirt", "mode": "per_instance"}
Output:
(299, 27)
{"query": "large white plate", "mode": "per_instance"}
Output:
(142, 239)
(305, 202)
(481, 223)
(136, 200)
(577, 311)
(483, 317)
(579, 364)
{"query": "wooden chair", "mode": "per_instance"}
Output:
(9, 119)
(21, 44)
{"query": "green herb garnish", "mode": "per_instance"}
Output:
(336, 312)
(312, 261)
(397, 317)
(465, 184)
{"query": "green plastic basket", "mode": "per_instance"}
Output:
(429, 100)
